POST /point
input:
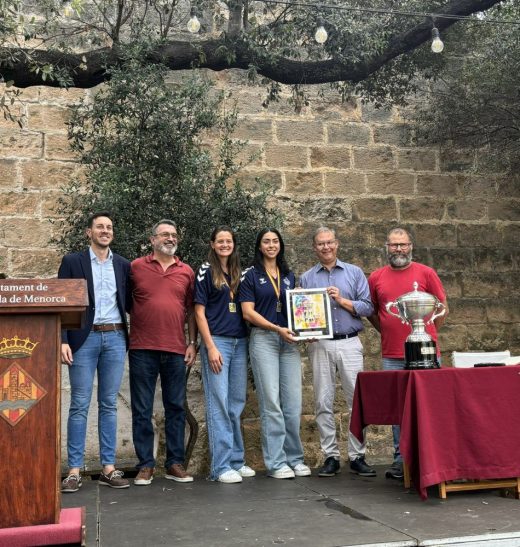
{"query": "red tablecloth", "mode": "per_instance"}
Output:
(455, 423)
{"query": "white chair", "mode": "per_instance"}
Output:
(461, 359)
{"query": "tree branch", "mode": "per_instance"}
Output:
(233, 52)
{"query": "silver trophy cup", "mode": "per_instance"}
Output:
(413, 308)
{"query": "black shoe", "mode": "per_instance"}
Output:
(360, 467)
(329, 468)
(395, 471)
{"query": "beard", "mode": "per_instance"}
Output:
(399, 260)
(165, 249)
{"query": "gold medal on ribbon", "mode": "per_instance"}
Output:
(276, 287)
(231, 306)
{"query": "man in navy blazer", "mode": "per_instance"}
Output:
(98, 347)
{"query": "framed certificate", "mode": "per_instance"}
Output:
(309, 314)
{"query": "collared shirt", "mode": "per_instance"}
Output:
(256, 287)
(105, 289)
(352, 284)
(161, 300)
(221, 320)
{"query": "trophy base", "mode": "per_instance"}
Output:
(420, 355)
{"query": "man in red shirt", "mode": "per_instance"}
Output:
(386, 285)
(162, 293)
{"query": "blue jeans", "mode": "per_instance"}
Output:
(395, 364)
(278, 378)
(225, 400)
(145, 366)
(103, 352)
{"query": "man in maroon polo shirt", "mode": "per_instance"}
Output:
(162, 291)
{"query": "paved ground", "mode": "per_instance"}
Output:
(315, 512)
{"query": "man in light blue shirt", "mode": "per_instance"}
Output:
(98, 348)
(105, 289)
(348, 290)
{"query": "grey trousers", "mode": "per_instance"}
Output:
(327, 357)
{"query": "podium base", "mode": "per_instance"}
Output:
(69, 531)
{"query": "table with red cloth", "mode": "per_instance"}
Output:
(455, 423)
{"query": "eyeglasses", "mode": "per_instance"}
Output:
(323, 244)
(395, 246)
(165, 235)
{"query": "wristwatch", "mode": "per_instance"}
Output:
(194, 344)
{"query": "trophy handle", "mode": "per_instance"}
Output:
(389, 307)
(435, 315)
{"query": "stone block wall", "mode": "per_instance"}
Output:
(348, 166)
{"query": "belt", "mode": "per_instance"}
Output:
(343, 336)
(107, 327)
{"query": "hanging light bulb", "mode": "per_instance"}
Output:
(321, 34)
(193, 23)
(437, 43)
(68, 10)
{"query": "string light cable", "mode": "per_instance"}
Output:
(381, 11)
(321, 35)
(437, 45)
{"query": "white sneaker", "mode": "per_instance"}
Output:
(284, 472)
(230, 477)
(301, 470)
(246, 471)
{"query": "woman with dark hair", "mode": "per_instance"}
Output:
(274, 357)
(224, 355)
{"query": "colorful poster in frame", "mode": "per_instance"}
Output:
(309, 314)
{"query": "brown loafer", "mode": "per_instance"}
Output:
(114, 479)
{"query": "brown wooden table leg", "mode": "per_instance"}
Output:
(406, 473)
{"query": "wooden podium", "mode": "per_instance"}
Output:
(32, 314)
